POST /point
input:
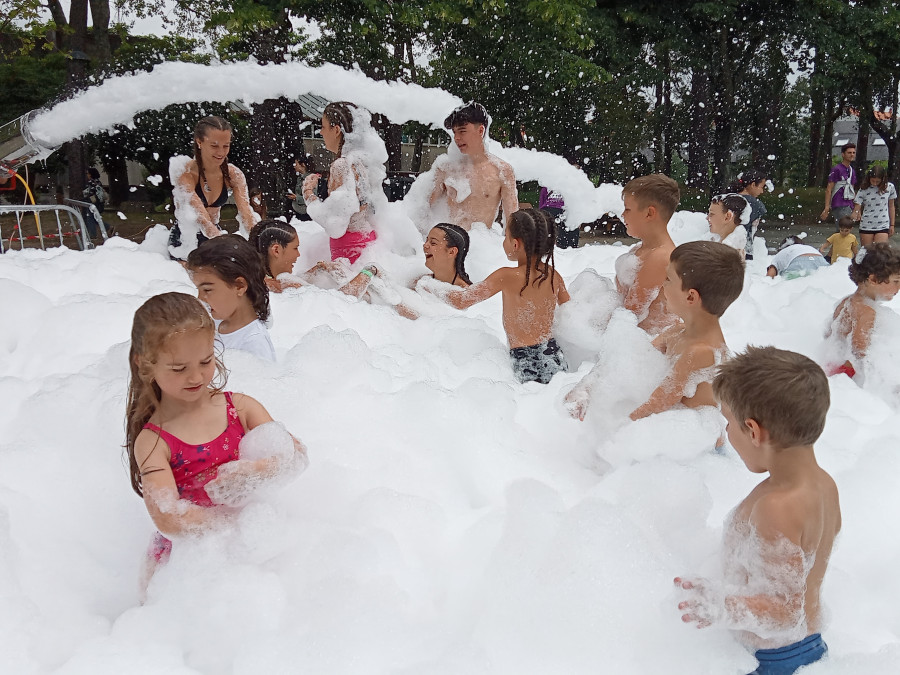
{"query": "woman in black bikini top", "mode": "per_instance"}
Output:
(196, 180)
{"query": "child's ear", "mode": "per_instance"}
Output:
(872, 279)
(651, 211)
(755, 431)
(276, 249)
(241, 285)
(693, 296)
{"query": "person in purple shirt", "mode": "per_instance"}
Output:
(552, 202)
(840, 191)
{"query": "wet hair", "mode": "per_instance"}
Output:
(881, 260)
(157, 320)
(734, 203)
(713, 269)
(785, 392)
(456, 237)
(204, 125)
(93, 173)
(845, 222)
(747, 178)
(537, 232)
(468, 113)
(340, 114)
(655, 190)
(875, 172)
(848, 146)
(232, 258)
(268, 232)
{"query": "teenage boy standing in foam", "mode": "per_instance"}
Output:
(477, 186)
(777, 542)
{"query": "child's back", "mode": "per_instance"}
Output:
(528, 312)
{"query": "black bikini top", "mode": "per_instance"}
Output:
(216, 204)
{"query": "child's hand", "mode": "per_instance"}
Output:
(274, 285)
(236, 481)
(701, 607)
(576, 402)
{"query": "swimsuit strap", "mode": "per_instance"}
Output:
(231, 414)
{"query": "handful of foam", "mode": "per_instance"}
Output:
(268, 459)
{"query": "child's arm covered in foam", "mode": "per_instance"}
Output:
(671, 391)
(172, 515)
(463, 298)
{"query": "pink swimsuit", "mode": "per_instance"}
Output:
(195, 465)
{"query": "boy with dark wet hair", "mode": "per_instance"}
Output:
(777, 542)
(475, 185)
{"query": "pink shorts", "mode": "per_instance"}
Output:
(351, 245)
(160, 549)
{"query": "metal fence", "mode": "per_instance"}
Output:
(76, 226)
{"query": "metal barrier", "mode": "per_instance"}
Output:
(79, 231)
(92, 208)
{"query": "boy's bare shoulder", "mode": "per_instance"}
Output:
(504, 168)
(793, 510)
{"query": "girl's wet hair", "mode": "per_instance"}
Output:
(200, 131)
(458, 238)
(748, 177)
(155, 322)
(734, 203)
(881, 260)
(340, 113)
(537, 232)
(875, 172)
(232, 258)
(268, 232)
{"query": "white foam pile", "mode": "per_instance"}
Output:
(451, 520)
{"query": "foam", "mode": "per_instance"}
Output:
(451, 520)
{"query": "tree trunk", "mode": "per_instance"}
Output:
(117, 170)
(100, 20)
(418, 151)
(827, 140)
(76, 69)
(698, 142)
(814, 173)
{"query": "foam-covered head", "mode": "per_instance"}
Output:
(714, 270)
(277, 244)
(879, 261)
(657, 191)
(733, 207)
(156, 323)
(753, 181)
(337, 122)
(784, 392)
(234, 261)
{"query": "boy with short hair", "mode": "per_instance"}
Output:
(475, 187)
(777, 542)
(650, 202)
(842, 243)
(703, 278)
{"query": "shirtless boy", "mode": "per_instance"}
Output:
(777, 541)
(702, 280)
(650, 202)
(475, 187)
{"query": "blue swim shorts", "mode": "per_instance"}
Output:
(786, 660)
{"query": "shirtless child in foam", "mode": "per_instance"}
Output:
(777, 542)
(650, 202)
(703, 278)
(475, 186)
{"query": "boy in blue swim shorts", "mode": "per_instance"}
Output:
(777, 541)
